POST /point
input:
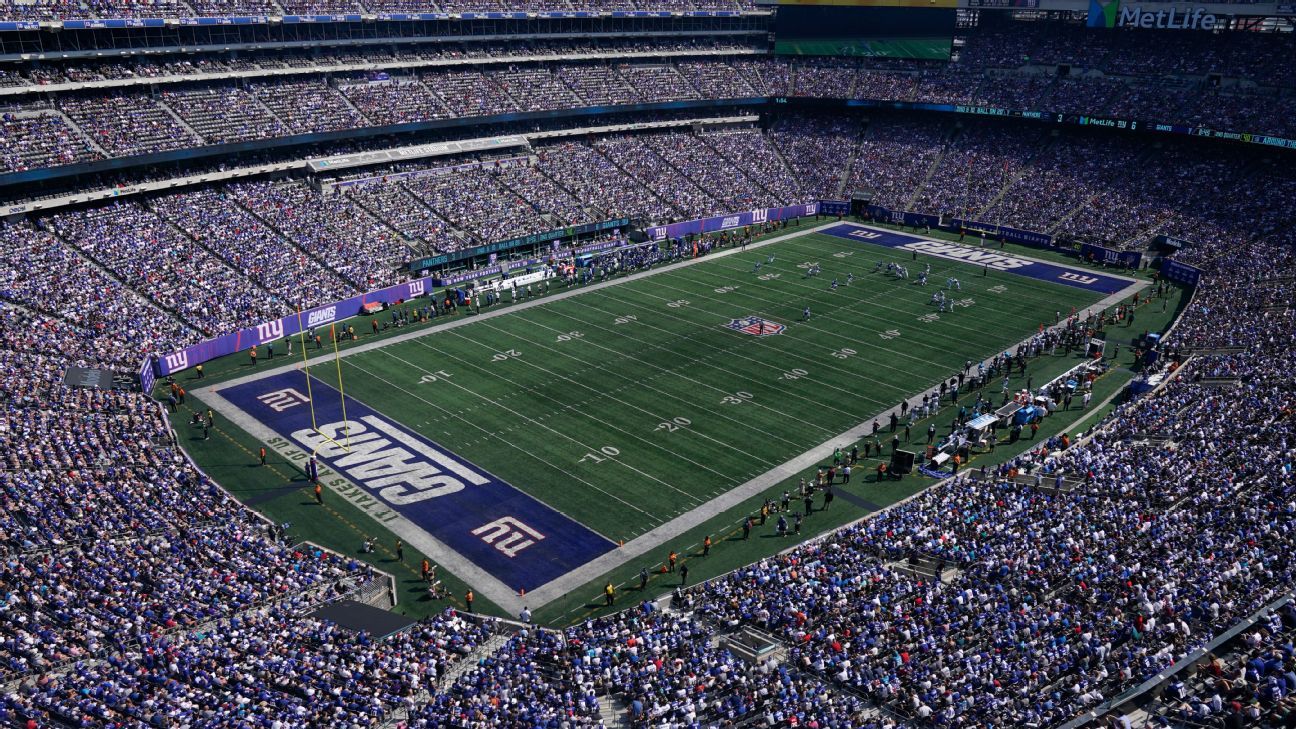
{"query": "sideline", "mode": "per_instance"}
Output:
(491, 587)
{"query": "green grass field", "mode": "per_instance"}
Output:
(627, 406)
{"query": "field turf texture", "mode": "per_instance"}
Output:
(648, 370)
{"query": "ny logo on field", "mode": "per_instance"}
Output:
(1078, 278)
(270, 330)
(415, 289)
(760, 216)
(756, 326)
(177, 361)
(281, 400)
(509, 535)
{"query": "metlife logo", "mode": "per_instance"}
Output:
(1110, 14)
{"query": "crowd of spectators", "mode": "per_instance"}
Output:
(595, 179)
(894, 158)
(270, 262)
(361, 249)
(816, 147)
(69, 287)
(728, 186)
(395, 102)
(1110, 561)
(132, 121)
(306, 107)
(36, 140)
(225, 114)
(178, 276)
(127, 124)
(1249, 685)
(1046, 600)
(1125, 554)
(67, 10)
(750, 151)
(642, 163)
(134, 592)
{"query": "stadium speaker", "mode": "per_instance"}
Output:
(902, 462)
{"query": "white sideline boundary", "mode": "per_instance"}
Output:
(491, 587)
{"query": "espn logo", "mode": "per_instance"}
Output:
(270, 330)
(415, 289)
(176, 361)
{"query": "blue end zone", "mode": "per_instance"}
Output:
(507, 533)
(973, 255)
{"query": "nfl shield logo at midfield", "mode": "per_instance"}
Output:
(755, 326)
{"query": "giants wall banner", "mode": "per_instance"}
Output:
(726, 222)
(904, 217)
(1099, 254)
(1012, 235)
(276, 329)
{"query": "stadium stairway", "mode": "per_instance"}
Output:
(713, 197)
(339, 96)
(485, 649)
(850, 162)
(144, 300)
(266, 107)
(922, 567)
(679, 214)
(931, 170)
(180, 230)
(598, 212)
(489, 78)
(740, 170)
(424, 246)
(614, 713)
(1018, 173)
(88, 139)
(1058, 224)
(778, 154)
(358, 286)
(179, 120)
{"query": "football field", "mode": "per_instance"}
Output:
(521, 445)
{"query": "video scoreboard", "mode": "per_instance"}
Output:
(922, 29)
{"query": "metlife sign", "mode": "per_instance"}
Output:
(1112, 14)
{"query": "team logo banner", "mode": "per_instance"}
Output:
(756, 326)
(726, 222)
(276, 329)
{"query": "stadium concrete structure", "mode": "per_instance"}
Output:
(569, 286)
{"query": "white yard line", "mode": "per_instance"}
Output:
(489, 586)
